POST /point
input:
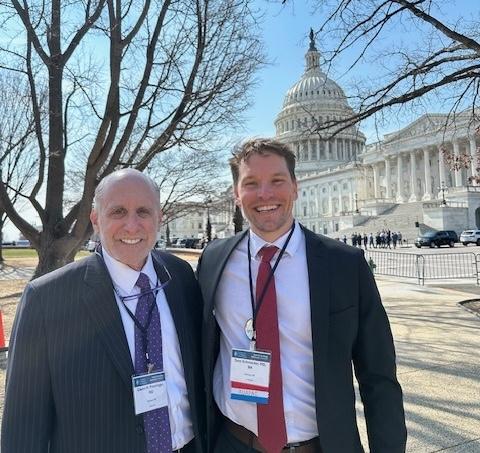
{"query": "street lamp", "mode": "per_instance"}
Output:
(443, 188)
(209, 224)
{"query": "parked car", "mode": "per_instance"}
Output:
(24, 243)
(90, 245)
(470, 237)
(191, 243)
(161, 244)
(436, 239)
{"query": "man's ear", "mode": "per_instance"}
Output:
(237, 196)
(94, 219)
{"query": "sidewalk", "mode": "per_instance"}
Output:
(438, 356)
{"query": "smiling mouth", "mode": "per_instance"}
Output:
(267, 208)
(130, 241)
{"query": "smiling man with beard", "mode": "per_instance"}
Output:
(104, 352)
(282, 329)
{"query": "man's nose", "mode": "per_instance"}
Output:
(132, 222)
(264, 191)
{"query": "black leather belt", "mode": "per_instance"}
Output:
(250, 439)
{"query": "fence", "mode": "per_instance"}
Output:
(425, 267)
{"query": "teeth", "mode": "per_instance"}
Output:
(130, 241)
(267, 208)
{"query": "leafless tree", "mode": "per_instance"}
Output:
(420, 57)
(17, 162)
(126, 81)
(186, 178)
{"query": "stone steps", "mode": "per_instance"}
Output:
(401, 217)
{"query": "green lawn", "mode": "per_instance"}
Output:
(19, 253)
(31, 253)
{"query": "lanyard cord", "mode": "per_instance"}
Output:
(154, 291)
(256, 309)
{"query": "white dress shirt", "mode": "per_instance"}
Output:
(124, 279)
(233, 308)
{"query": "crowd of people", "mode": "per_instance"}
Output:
(381, 239)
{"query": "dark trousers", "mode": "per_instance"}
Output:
(228, 443)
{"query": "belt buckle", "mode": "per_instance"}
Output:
(293, 446)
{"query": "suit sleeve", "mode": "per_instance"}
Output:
(29, 411)
(375, 369)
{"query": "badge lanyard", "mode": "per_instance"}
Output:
(143, 329)
(250, 329)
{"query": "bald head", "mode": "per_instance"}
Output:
(125, 174)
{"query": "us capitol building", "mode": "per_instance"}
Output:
(401, 183)
(397, 183)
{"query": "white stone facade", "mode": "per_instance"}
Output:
(342, 182)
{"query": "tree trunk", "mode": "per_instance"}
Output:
(167, 234)
(209, 229)
(1, 241)
(54, 253)
(237, 220)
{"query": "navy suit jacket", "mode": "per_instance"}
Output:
(349, 325)
(69, 373)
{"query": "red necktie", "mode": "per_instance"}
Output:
(272, 432)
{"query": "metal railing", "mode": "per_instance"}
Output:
(447, 204)
(473, 188)
(438, 266)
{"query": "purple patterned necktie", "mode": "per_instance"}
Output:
(157, 423)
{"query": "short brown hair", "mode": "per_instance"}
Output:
(261, 146)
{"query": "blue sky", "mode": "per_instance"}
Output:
(285, 33)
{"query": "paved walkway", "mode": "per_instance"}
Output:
(8, 272)
(438, 354)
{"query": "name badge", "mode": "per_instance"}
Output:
(149, 392)
(250, 375)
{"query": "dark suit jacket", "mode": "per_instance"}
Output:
(69, 373)
(349, 324)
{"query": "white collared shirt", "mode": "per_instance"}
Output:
(124, 279)
(233, 308)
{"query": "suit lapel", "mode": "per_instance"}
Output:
(319, 282)
(100, 302)
(215, 266)
(174, 296)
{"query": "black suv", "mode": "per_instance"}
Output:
(437, 238)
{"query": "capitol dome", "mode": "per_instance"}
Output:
(313, 100)
(315, 86)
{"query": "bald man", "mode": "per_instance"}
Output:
(104, 352)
